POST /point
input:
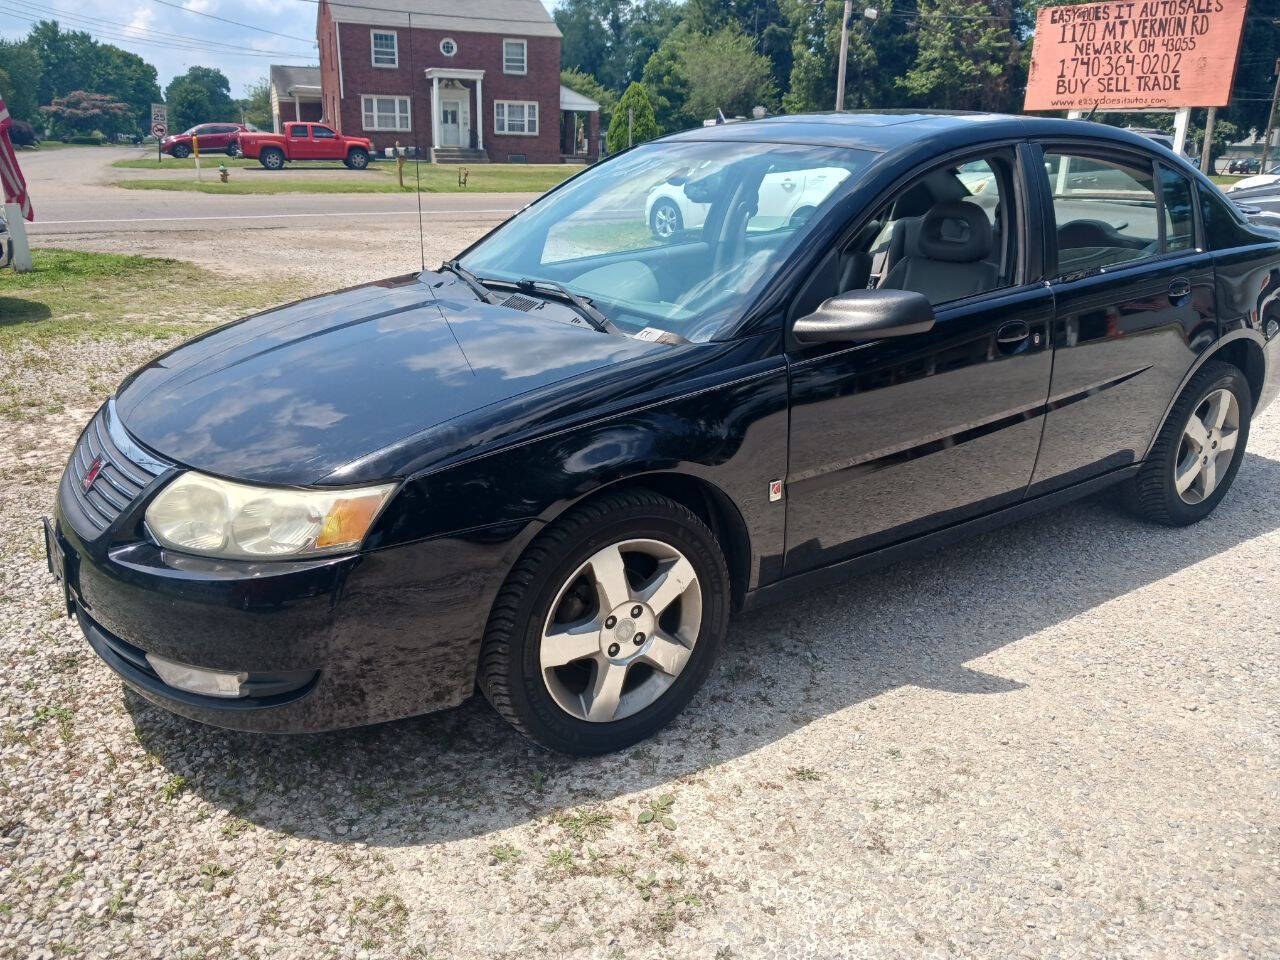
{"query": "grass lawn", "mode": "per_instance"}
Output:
(483, 178)
(1225, 180)
(105, 296)
(207, 160)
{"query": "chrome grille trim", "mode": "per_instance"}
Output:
(126, 470)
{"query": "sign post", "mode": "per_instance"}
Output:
(159, 125)
(1136, 55)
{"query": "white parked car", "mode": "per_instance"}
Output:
(786, 197)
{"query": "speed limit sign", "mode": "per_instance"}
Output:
(159, 119)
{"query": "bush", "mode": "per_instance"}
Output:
(22, 134)
(85, 139)
(643, 124)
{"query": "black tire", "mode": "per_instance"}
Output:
(509, 673)
(665, 220)
(357, 159)
(233, 150)
(181, 151)
(1152, 492)
(798, 217)
(272, 158)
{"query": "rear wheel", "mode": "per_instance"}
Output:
(608, 625)
(665, 220)
(1195, 458)
(272, 159)
(357, 159)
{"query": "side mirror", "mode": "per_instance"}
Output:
(866, 315)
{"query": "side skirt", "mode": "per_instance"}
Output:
(809, 580)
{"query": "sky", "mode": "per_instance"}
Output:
(174, 38)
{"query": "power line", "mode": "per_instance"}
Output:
(115, 37)
(131, 30)
(234, 23)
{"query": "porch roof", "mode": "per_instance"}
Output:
(572, 100)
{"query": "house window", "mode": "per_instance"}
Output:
(448, 46)
(515, 56)
(386, 52)
(386, 113)
(515, 116)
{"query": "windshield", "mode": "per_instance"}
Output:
(680, 237)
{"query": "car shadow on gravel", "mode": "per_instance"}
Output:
(464, 773)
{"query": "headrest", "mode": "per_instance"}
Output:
(956, 231)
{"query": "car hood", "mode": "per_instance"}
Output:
(293, 394)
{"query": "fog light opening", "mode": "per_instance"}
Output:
(211, 683)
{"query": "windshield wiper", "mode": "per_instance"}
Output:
(583, 305)
(470, 279)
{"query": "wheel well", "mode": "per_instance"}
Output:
(1246, 356)
(712, 507)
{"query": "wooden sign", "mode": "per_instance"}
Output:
(1135, 55)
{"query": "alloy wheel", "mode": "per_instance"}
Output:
(1207, 446)
(621, 630)
(664, 220)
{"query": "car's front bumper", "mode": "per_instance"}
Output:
(325, 644)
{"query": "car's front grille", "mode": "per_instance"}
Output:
(123, 471)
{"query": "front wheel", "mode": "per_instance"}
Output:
(181, 151)
(1195, 458)
(272, 159)
(608, 625)
(357, 160)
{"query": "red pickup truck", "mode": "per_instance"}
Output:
(305, 141)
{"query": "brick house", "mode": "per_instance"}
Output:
(295, 94)
(471, 81)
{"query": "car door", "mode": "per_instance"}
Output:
(298, 141)
(324, 143)
(1134, 303)
(895, 437)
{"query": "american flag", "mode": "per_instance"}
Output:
(14, 187)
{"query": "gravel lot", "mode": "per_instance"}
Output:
(1058, 740)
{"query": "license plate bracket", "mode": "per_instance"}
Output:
(56, 560)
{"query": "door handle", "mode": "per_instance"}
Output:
(1013, 332)
(1179, 288)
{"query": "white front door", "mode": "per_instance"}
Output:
(450, 123)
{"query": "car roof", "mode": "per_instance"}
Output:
(887, 130)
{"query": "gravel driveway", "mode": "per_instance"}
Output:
(1058, 740)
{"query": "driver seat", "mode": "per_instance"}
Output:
(949, 261)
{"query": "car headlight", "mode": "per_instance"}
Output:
(217, 518)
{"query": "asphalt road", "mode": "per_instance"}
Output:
(71, 193)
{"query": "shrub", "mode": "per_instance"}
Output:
(22, 134)
(643, 124)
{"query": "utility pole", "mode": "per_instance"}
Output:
(1271, 122)
(1208, 141)
(844, 54)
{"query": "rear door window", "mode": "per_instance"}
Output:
(1179, 216)
(1105, 210)
(322, 133)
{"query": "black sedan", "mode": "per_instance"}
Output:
(553, 467)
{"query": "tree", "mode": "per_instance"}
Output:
(640, 123)
(201, 95)
(86, 113)
(725, 74)
(255, 109)
(594, 38)
(967, 55)
(589, 86)
(668, 86)
(23, 70)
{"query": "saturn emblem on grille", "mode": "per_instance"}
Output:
(95, 468)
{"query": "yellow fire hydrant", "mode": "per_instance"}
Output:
(223, 173)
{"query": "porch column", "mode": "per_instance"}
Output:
(297, 107)
(480, 114)
(435, 112)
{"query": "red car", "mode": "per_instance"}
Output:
(214, 138)
(306, 141)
